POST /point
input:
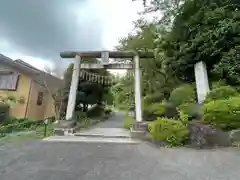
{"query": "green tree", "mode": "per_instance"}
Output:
(204, 31)
(156, 81)
(89, 93)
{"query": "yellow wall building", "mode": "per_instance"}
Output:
(22, 81)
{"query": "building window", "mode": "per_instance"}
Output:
(8, 80)
(40, 98)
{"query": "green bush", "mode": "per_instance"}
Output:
(170, 131)
(157, 109)
(107, 110)
(152, 111)
(193, 110)
(183, 117)
(14, 120)
(170, 110)
(79, 115)
(25, 125)
(128, 121)
(154, 98)
(4, 112)
(224, 114)
(122, 107)
(183, 94)
(96, 112)
(51, 119)
(218, 84)
(221, 92)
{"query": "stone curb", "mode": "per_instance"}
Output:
(100, 135)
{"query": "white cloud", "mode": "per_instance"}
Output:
(118, 17)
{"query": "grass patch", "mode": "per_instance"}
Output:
(128, 121)
(25, 135)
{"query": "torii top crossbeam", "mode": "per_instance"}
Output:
(112, 54)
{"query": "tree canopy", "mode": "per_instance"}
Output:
(189, 31)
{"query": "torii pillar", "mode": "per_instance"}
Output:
(73, 88)
(137, 88)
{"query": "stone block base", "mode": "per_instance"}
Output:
(139, 130)
(140, 126)
(138, 134)
(65, 124)
(63, 131)
(64, 128)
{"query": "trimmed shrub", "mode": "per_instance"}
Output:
(170, 131)
(224, 114)
(170, 110)
(19, 127)
(221, 92)
(165, 109)
(194, 111)
(80, 116)
(154, 98)
(122, 107)
(218, 84)
(183, 117)
(95, 112)
(128, 121)
(51, 119)
(183, 94)
(151, 112)
(107, 110)
(14, 120)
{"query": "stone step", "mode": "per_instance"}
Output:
(138, 134)
(63, 131)
(91, 139)
(101, 135)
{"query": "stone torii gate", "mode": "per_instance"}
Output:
(105, 55)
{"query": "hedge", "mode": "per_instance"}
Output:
(183, 94)
(222, 92)
(19, 127)
(171, 131)
(224, 114)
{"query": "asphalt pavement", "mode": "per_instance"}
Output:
(118, 160)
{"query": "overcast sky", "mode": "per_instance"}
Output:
(38, 30)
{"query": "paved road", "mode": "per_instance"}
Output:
(115, 122)
(110, 128)
(44, 160)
